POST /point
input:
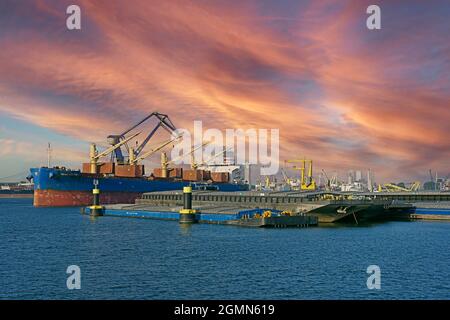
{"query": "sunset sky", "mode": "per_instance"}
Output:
(345, 96)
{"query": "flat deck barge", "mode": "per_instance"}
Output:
(295, 208)
(305, 203)
(214, 215)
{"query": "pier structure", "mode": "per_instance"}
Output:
(326, 209)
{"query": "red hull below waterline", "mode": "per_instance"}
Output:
(58, 198)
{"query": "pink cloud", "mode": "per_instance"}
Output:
(336, 97)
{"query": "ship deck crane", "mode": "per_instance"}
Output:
(165, 162)
(204, 163)
(95, 156)
(163, 121)
(147, 154)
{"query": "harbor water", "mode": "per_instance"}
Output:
(125, 258)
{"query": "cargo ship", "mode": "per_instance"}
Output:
(16, 190)
(122, 179)
(64, 187)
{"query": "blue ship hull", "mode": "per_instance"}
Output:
(62, 187)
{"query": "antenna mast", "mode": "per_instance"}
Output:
(49, 155)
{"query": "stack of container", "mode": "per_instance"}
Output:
(102, 167)
(220, 176)
(171, 173)
(130, 171)
(196, 175)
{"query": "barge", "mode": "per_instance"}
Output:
(300, 203)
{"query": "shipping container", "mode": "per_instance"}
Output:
(102, 167)
(86, 168)
(206, 175)
(130, 170)
(172, 173)
(192, 175)
(107, 167)
(220, 176)
(196, 175)
(176, 173)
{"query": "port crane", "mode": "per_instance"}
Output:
(163, 121)
(434, 181)
(306, 182)
(286, 179)
(328, 184)
(293, 184)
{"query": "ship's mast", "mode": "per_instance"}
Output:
(49, 155)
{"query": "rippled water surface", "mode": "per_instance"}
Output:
(122, 258)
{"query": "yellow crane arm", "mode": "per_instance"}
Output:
(215, 156)
(114, 147)
(295, 160)
(310, 169)
(192, 151)
(149, 153)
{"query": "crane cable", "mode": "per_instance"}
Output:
(15, 175)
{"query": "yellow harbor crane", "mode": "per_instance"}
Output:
(307, 182)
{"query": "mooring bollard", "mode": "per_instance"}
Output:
(96, 208)
(187, 214)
